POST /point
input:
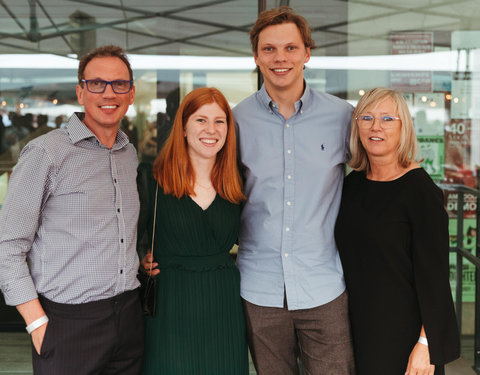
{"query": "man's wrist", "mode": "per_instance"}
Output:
(36, 324)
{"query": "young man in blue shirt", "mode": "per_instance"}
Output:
(293, 144)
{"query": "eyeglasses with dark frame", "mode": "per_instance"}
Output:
(98, 86)
(386, 121)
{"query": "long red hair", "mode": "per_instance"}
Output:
(172, 167)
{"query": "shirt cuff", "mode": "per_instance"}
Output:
(20, 291)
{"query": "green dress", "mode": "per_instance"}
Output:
(199, 326)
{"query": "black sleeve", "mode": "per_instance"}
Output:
(430, 254)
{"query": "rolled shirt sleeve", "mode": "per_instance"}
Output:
(20, 215)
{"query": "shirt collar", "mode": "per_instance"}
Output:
(306, 98)
(78, 131)
(303, 102)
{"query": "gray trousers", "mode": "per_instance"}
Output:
(320, 336)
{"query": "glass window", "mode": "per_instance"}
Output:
(173, 47)
(428, 50)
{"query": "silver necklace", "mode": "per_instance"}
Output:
(205, 187)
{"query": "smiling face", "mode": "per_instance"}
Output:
(105, 110)
(281, 55)
(379, 142)
(205, 132)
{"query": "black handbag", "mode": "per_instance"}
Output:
(148, 288)
(148, 293)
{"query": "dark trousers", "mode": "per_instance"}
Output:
(96, 338)
(321, 336)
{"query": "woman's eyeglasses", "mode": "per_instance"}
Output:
(386, 121)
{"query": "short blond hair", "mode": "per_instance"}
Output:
(278, 16)
(408, 146)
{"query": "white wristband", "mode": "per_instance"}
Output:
(36, 324)
(423, 340)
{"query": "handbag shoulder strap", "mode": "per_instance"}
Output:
(154, 221)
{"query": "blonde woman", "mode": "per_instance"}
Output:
(392, 236)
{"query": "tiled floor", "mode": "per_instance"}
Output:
(15, 354)
(15, 357)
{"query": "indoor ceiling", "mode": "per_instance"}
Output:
(213, 28)
(144, 26)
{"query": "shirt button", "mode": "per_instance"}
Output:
(287, 229)
(118, 209)
(286, 255)
(289, 151)
(289, 177)
(121, 272)
(289, 203)
(287, 125)
(115, 180)
(121, 240)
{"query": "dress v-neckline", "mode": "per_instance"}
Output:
(210, 205)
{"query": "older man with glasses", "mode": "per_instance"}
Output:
(68, 260)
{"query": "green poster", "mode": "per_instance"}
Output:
(432, 151)
(468, 269)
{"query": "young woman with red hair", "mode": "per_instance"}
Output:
(199, 326)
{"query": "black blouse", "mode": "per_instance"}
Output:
(393, 241)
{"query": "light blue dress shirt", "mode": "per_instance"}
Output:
(293, 172)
